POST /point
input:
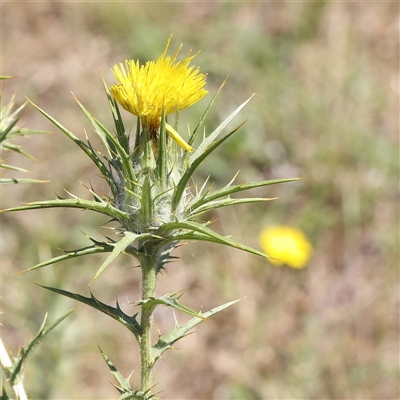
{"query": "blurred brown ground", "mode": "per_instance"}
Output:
(326, 76)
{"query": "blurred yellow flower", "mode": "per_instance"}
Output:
(286, 246)
(144, 90)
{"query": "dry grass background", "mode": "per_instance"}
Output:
(326, 76)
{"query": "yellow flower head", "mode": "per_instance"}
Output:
(144, 90)
(286, 246)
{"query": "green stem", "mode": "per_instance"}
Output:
(148, 288)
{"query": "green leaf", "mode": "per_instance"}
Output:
(9, 181)
(169, 300)
(98, 128)
(228, 189)
(198, 231)
(90, 152)
(165, 342)
(123, 138)
(210, 138)
(12, 168)
(114, 312)
(162, 173)
(212, 205)
(114, 148)
(124, 385)
(21, 361)
(7, 130)
(181, 186)
(102, 208)
(119, 247)
(99, 247)
(146, 201)
(16, 149)
(203, 186)
(204, 116)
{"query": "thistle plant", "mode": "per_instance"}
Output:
(153, 201)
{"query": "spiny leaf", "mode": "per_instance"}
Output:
(170, 300)
(210, 138)
(114, 312)
(20, 362)
(113, 146)
(200, 191)
(119, 247)
(162, 157)
(95, 249)
(17, 149)
(227, 190)
(96, 126)
(212, 205)
(7, 130)
(9, 181)
(86, 148)
(123, 138)
(165, 342)
(181, 186)
(204, 116)
(102, 208)
(124, 385)
(198, 231)
(12, 168)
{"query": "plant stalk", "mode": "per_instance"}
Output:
(148, 288)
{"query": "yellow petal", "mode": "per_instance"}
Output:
(178, 139)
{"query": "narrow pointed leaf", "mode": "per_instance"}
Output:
(146, 201)
(6, 131)
(162, 153)
(123, 138)
(204, 116)
(25, 354)
(95, 249)
(98, 128)
(113, 146)
(114, 312)
(206, 234)
(27, 132)
(16, 149)
(9, 181)
(210, 138)
(181, 186)
(87, 149)
(119, 247)
(124, 385)
(226, 202)
(16, 112)
(227, 190)
(102, 208)
(12, 168)
(200, 192)
(169, 300)
(165, 342)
